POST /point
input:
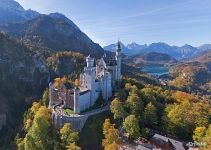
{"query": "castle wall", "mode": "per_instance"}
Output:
(69, 102)
(76, 121)
(84, 101)
(113, 71)
(106, 86)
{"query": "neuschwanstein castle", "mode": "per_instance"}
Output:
(95, 80)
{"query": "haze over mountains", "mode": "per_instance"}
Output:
(186, 51)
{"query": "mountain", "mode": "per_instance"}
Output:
(162, 48)
(205, 47)
(185, 51)
(136, 48)
(204, 57)
(151, 58)
(12, 11)
(23, 77)
(112, 48)
(55, 32)
(130, 49)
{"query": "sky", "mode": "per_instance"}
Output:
(176, 22)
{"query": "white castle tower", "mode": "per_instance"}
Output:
(118, 61)
(89, 78)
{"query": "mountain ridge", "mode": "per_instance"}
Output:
(55, 33)
(52, 31)
(179, 52)
(11, 11)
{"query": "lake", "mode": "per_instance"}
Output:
(155, 70)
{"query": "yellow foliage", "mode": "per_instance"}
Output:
(77, 82)
(73, 146)
(35, 107)
(43, 113)
(111, 134)
(59, 81)
(28, 124)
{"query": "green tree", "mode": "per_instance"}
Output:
(207, 138)
(68, 135)
(134, 90)
(45, 98)
(199, 133)
(182, 119)
(131, 125)
(29, 115)
(128, 87)
(38, 135)
(150, 115)
(121, 95)
(134, 103)
(117, 108)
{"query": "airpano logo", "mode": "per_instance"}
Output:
(196, 144)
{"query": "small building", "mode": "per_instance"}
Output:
(94, 80)
(166, 143)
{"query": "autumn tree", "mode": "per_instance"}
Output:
(207, 138)
(199, 133)
(38, 135)
(68, 135)
(73, 146)
(77, 82)
(134, 90)
(134, 103)
(150, 115)
(117, 108)
(182, 119)
(111, 136)
(19, 142)
(131, 125)
(29, 115)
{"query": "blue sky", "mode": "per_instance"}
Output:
(176, 22)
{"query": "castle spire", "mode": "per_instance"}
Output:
(118, 49)
(118, 61)
(118, 46)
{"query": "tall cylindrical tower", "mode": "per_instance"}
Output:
(118, 61)
(76, 98)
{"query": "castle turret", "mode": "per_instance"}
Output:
(118, 61)
(89, 61)
(89, 77)
(76, 98)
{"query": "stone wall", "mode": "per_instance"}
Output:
(77, 121)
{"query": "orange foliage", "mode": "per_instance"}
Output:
(183, 97)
